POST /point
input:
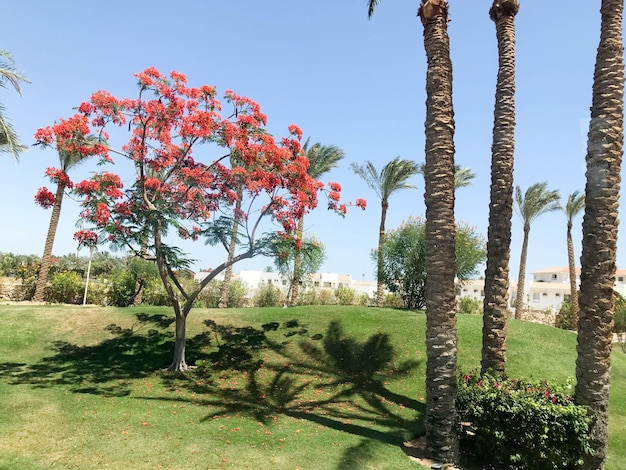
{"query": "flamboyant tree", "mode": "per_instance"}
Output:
(182, 182)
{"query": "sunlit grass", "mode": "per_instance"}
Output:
(309, 387)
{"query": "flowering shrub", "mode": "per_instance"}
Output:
(519, 424)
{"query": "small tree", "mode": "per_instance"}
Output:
(404, 258)
(180, 149)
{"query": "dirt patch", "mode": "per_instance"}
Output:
(416, 450)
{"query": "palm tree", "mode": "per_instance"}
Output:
(537, 200)
(462, 176)
(322, 159)
(67, 160)
(495, 303)
(603, 162)
(392, 178)
(575, 204)
(441, 335)
(9, 141)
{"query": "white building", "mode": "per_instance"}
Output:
(255, 279)
(547, 290)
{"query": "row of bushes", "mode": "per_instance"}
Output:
(125, 288)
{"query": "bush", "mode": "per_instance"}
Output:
(563, 318)
(268, 296)
(469, 305)
(393, 301)
(65, 288)
(620, 323)
(326, 297)
(209, 297)
(308, 297)
(345, 295)
(516, 424)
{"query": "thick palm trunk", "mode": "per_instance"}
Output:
(501, 197)
(604, 158)
(297, 266)
(42, 279)
(441, 336)
(519, 299)
(573, 300)
(380, 288)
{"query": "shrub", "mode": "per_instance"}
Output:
(393, 301)
(65, 288)
(563, 318)
(268, 296)
(620, 323)
(326, 297)
(469, 305)
(345, 295)
(519, 424)
(308, 297)
(121, 289)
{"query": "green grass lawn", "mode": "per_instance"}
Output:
(308, 387)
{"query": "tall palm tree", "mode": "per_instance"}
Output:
(495, 304)
(537, 200)
(441, 336)
(322, 159)
(462, 176)
(67, 161)
(575, 204)
(392, 178)
(9, 141)
(603, 162)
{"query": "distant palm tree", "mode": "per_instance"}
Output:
(537, 200)
(322, 159)
(67, 160)
(9, 141)
(392, 178)
(462, 176)
(495, 303)
(605, 150)
(575, 204)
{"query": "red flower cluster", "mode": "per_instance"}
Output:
(86, 238)
(45, 198)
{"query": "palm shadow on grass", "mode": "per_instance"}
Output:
(330, 379)
(107, 367)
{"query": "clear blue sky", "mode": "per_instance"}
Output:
(346, 81)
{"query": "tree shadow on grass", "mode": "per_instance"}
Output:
(106, 367)
(329, 379)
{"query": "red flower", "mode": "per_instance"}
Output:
(86, 237)
(45, 198)
(362, 203)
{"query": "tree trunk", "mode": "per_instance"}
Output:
(380, 288)
(573, 300)
(496, 300)
(519, 300)
(297, 266)
(179, 363)
(42, 279)
(228, 273)
(441, 336)
(600, 223)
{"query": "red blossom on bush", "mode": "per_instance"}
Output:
(45, 198)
